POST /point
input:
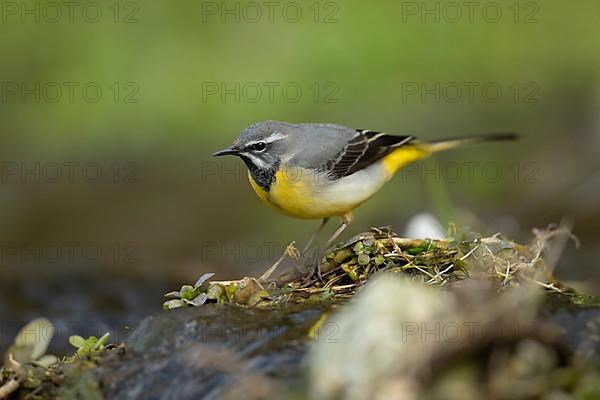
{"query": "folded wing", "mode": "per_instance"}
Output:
(366, 148)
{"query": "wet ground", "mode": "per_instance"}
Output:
(224, 351)
(81, 301)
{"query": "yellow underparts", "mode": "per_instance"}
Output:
(299, 195)
(291, 195)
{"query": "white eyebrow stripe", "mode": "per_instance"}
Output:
(274, 137)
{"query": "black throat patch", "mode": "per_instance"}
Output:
(263, 177)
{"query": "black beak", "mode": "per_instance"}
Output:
(231, 150)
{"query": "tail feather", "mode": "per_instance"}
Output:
(417, 150)
(445, 144)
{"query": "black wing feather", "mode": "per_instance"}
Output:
(363, 150)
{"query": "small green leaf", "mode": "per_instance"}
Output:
(416, 250)
(358, 247)
(77, 341)
(379, 259)
(199, 300)
(46, 360)
(215, 292)
(230, 291)
(363, 259)
(185, 289)
(350, 272)
(190, 294)
(100, 343)
(203, 279)
(172, 304)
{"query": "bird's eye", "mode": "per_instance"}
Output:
(259, 146)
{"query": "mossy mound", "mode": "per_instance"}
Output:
(347, 267)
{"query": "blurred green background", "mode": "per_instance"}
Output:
(179, 81)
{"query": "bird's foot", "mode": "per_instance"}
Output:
(290, 251)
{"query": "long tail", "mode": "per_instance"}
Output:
(446, 144)
(417, 150)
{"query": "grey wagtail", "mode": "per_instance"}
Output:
(319, 171)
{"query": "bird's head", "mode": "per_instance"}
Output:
(262, 146)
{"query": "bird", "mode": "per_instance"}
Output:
(325, 170)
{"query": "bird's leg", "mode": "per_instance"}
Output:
(346, 221)
(315, 234)
(291, 251)
(308, 259)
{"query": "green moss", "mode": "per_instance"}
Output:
(349, 265)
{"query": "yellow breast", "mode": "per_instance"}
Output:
(298, 195)
(303, 194)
